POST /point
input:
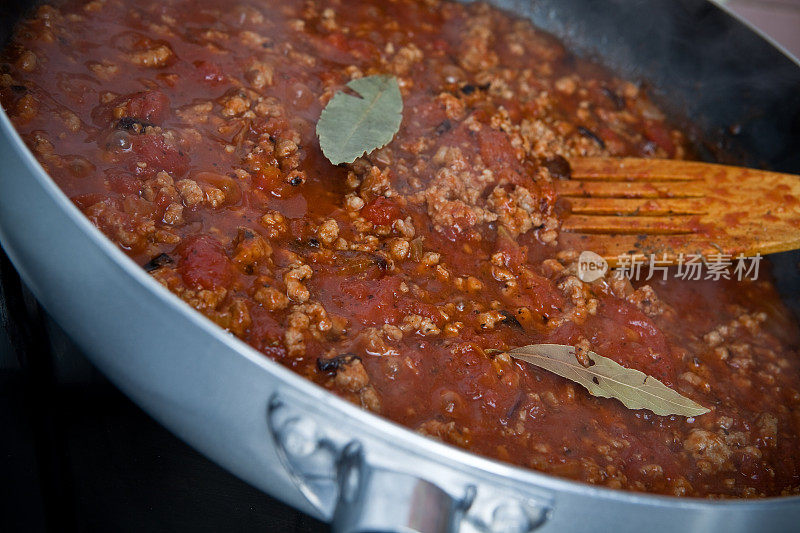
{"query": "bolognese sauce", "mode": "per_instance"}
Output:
(185, 131)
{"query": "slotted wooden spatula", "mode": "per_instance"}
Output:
(639, 207)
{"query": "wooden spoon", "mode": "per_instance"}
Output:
(643, 207)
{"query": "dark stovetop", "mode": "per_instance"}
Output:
(77, 455)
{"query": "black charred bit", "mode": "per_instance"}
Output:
(510, 320)
(559, 167)
(444, 127)
(468, 89)
(332, 364)
(617, 100)
(589, 134)
(381, 262)
(157, 262)
(132, 124)
(364, 265)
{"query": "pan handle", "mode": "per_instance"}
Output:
(377, 499)
(361, 484)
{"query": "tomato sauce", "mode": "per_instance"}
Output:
(185, 131)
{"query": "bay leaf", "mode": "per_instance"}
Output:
(608, 379)
(351, 126)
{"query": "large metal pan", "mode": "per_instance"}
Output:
(324, 456)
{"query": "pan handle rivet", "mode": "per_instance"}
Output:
(299, 437)
(511, 518)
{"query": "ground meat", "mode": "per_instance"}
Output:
(446, 431)
(271, 298)
(260, 74)
(352, 376)
(155, 57)
(710, 450)
(328, 232)
(190, 191)
(250, 248)
(517, 211)
(647, 301)
(293, 279)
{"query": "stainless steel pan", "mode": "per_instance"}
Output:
(326, 457)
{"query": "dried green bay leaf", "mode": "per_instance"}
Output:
(350, 126)
(608, 379)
